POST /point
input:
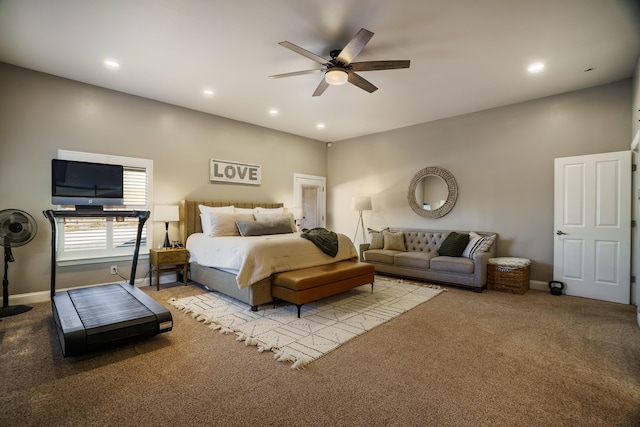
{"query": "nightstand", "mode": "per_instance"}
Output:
(172, 259)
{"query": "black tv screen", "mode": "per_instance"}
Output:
(86, 184)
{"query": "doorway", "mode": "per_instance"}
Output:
(592, 225)
(309, 194)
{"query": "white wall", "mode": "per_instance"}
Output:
(501, 158)
(40, 113)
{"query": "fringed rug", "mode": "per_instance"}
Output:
(323, 325)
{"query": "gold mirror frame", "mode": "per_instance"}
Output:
(452, 195)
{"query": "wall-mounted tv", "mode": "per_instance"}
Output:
(86, 184)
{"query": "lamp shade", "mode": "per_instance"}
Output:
(361, 203)
(336, 76)
(166, 213)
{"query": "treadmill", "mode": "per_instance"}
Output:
(100, 316)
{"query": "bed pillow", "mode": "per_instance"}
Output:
(454, 244)
(261, 228)
(270, 216)
(478, 244)
(219, 209)
(377, 238)
(393, 240)
(245, 210)
(270, 210)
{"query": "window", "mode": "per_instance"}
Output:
(88, 240)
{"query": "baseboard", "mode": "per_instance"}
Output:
(43, 296)
(538, 285)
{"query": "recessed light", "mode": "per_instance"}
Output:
(320, 125)
(273, 112)
(110, 63)
(208, 92)
(536, 67)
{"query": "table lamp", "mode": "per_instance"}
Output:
(166, 213)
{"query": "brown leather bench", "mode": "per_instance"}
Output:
(313, 283)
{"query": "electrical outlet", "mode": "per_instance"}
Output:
(114, 269)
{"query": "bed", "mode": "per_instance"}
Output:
(240, 279)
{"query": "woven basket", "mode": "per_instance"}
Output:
(508, 275)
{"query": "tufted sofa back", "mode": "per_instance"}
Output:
(425, 240)
(422, 240)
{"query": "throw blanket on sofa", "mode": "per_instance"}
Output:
(324, 239)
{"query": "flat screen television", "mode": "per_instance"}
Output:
(86, 184)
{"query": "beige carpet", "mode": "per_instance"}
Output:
(464, 359)
(323, 325)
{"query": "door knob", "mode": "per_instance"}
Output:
(560, 232)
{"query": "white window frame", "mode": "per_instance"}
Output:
(91, 257)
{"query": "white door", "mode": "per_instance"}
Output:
(592, 225)
(309, 194)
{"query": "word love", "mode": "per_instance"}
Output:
(242, 173)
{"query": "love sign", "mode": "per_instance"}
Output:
(242, 173)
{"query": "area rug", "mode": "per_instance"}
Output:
(323, 325)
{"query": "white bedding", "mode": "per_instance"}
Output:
(257, 257)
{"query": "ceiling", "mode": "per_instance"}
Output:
(466, 55)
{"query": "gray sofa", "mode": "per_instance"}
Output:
(420, 259)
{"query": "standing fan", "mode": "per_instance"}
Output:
(17, 228)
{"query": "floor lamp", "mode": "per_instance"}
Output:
(360, 204)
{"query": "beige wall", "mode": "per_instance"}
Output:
(501, 158)
(40, 113)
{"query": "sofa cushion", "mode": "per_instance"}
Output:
(380, 255)
(454, 244)
(452, 264)
(394, 241)
(414, 259)
(377, 238)
(477, 244)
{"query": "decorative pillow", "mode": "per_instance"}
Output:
(270, 216)
(477, 244)
(224, 224)
(220, 224)
(454, 244)
(377, 238)
(204, 210)
(393, 240)
(261, 228)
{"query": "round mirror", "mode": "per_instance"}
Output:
(432, 192)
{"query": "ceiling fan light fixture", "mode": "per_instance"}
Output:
(336, 76)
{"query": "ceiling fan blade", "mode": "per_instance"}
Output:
(361, 82)
(321, 87)
(379, 65)
(305, 53)
(295, 73)
(353, 48)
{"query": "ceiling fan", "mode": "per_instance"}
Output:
(340, 69)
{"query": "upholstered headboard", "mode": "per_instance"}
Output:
(190, 214)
